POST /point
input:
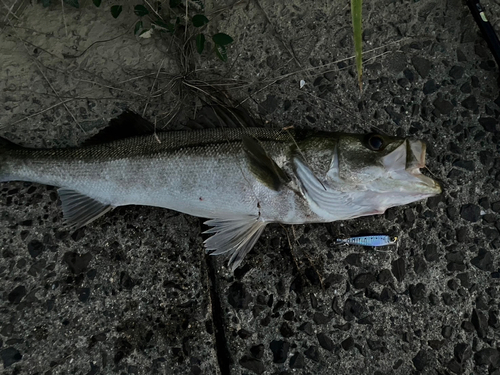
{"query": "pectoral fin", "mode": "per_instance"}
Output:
(323, 199)
(262, 165)
(235, 236)
(80, 210)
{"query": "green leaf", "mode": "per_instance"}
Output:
(73, 3)
(116, 10)
(140, 10)
(97, 3)
(222, 39)
(138, 27)
(221, 52)
(200, 43)
(357, 26)
(164, 26)
(199, 20)
(174, 3)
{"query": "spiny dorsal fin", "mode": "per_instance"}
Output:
(80, 210)
(128, 124)
(262, 165)
(218, 116)
(5, 144)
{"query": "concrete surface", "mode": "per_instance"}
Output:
(134, 293)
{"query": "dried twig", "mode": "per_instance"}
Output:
(152, 87)
(40, 48)
(109, 87)
(38, 113)
(176, 109)
(57, 94)
(97, 42)
(154, 11)
(9, 11)
(224, 8)
(203, 91)
(37, 63)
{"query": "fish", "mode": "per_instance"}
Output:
(374, 240)
(240, 178)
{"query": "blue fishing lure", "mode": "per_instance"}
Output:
(376, 240)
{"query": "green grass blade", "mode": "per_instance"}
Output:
(200, 43)
(356, 7)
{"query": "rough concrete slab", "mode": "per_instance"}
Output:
(126, 295)
(132, 292)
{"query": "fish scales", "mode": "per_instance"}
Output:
(197, 172)
(240, 179)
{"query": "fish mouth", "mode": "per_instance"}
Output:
(415, 161)
(405, 163)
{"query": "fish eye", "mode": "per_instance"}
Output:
(375, 142)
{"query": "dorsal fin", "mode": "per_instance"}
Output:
(262, 165)
(5, 144)
(218, 116)
(128, 124)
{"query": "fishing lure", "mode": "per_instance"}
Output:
(376, 240)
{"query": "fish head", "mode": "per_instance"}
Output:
(385, 169)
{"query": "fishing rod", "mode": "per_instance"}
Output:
(486, 28)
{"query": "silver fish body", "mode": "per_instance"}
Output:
(240, 179)
(201, 173)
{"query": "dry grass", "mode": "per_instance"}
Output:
(187, 86)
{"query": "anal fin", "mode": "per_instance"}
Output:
(80, 210)
(235, 236)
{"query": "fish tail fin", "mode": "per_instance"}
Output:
(5, 147)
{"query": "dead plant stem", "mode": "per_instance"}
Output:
(152, 88)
